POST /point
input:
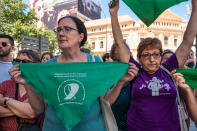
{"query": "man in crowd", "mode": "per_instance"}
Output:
(6, 47)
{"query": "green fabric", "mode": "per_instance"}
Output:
(149, 10)
(71, 88)
(190, 76)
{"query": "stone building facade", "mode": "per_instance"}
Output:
(169, 28)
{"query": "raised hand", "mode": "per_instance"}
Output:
(180, 81)
(16, 75)
(113, 9)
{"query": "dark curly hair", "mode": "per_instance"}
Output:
(113, 48)
(47, 53)
(31, 54)
(106, 56)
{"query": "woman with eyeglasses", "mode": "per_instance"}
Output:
(14, 103)
(71, 35)
(153, 106)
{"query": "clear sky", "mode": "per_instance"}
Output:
(179, 9)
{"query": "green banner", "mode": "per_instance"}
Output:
(190, 76)
(71, 88)
(149, 10)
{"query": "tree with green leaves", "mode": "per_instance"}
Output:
(87, 45)
(17, 19)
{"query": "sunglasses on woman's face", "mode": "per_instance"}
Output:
(4, 44)
(22, 61)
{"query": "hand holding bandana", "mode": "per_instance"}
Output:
(71, 88)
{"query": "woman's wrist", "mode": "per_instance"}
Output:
(114, 14)
(188, 91)
(7, 101)
(121, 81)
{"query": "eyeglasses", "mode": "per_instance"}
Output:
(65, 29)
(147, 56)
(22, 61)
(4, 44)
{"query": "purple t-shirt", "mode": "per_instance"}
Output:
(153, 106)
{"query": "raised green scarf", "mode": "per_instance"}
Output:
(149, 10)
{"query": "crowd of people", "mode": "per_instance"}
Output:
(144, 99)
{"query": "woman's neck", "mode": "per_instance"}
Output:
(72, 56)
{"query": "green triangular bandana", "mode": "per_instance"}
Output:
(149, 10)
(190, 76)
(71, 88)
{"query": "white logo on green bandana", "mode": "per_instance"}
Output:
(71, 92)
(73, 89)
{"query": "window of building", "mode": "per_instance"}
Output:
(101, 44)
(93, 30)
(100, 29)
(165, 40)
(93, 45)
(175, 42)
